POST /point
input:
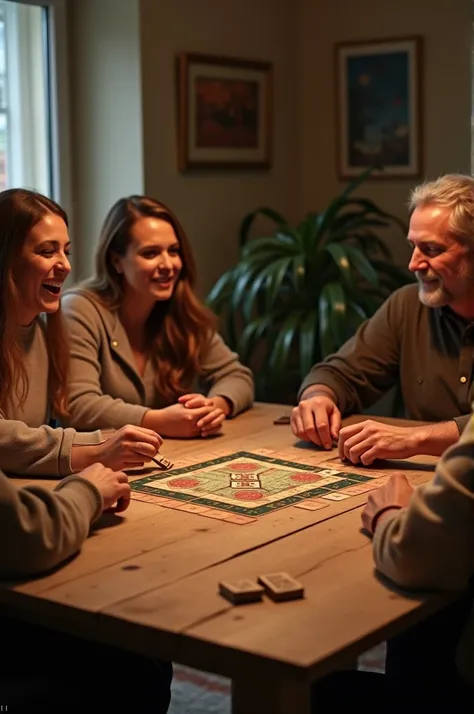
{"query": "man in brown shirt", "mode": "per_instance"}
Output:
(422, 337)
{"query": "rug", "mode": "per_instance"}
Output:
(195, 692)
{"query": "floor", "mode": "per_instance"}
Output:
(203, 693)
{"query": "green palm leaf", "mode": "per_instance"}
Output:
(252, 334)
(298, 292)
(221, 291)
(362, 265)
(279, 354)
(249, 219)
(248, 301)
(308, 334)
(340, 256)
(285, 243)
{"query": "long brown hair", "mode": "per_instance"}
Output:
(20, 211)
(179, 328)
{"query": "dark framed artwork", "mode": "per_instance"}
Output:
(224, 112)
(379, 107)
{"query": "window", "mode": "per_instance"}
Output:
(25, 98)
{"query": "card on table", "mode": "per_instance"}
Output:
(281, 586)
(284, 419)
(240, 591)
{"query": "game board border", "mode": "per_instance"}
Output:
(255, 511)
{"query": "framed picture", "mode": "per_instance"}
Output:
(379, 107)
(224, 112)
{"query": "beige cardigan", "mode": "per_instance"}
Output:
(40, 528)
(430, 544)
(105, 389)
(28, 446)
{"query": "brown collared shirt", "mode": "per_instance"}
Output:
(429, 351)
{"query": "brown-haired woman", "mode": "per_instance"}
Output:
(41, 531)
(143, 346)
(34, 263)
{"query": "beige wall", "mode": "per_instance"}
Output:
(106, 115)
(211, 203)
(446, 28)
(123, 106)
(122, 81)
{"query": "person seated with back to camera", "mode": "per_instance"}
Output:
(40, 530)
(143, 346)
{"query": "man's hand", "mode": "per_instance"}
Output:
(370, 440)
(395, 494)
(317, 419)
(112, 485)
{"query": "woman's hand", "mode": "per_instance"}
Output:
(125, 448)
(183, 421)
(211, 423)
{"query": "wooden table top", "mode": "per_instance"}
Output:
(148, 578)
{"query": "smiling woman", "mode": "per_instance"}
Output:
(43, 266)
(34, 352)
(144, 349)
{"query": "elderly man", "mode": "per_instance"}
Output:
(425, 341)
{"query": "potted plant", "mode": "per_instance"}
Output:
(297, 294)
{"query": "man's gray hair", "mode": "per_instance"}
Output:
(454, 192)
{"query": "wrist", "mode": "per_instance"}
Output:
(382, 515)
(434, 439)
(224, 404)
(152, 420)
(319, 390)
(83, 456)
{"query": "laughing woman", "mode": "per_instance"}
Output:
(34, 263)
(144, 349)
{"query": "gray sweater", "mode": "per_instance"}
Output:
(27, 444)
(105, 389)
(430, 544)
(40, 528)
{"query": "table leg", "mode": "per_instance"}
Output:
(254, 695)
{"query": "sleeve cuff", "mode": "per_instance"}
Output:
(378, 514)
(77, 479)
(462, 422)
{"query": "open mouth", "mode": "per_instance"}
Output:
(52, 288)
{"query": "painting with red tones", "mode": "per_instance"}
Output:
(224, 113)
(379, 108)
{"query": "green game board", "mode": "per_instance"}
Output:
(247, 484)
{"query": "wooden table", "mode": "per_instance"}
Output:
(147, 580)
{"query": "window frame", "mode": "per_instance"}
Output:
(60, 114)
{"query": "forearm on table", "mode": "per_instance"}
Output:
(434, 439)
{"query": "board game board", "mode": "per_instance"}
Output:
(251, 484)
